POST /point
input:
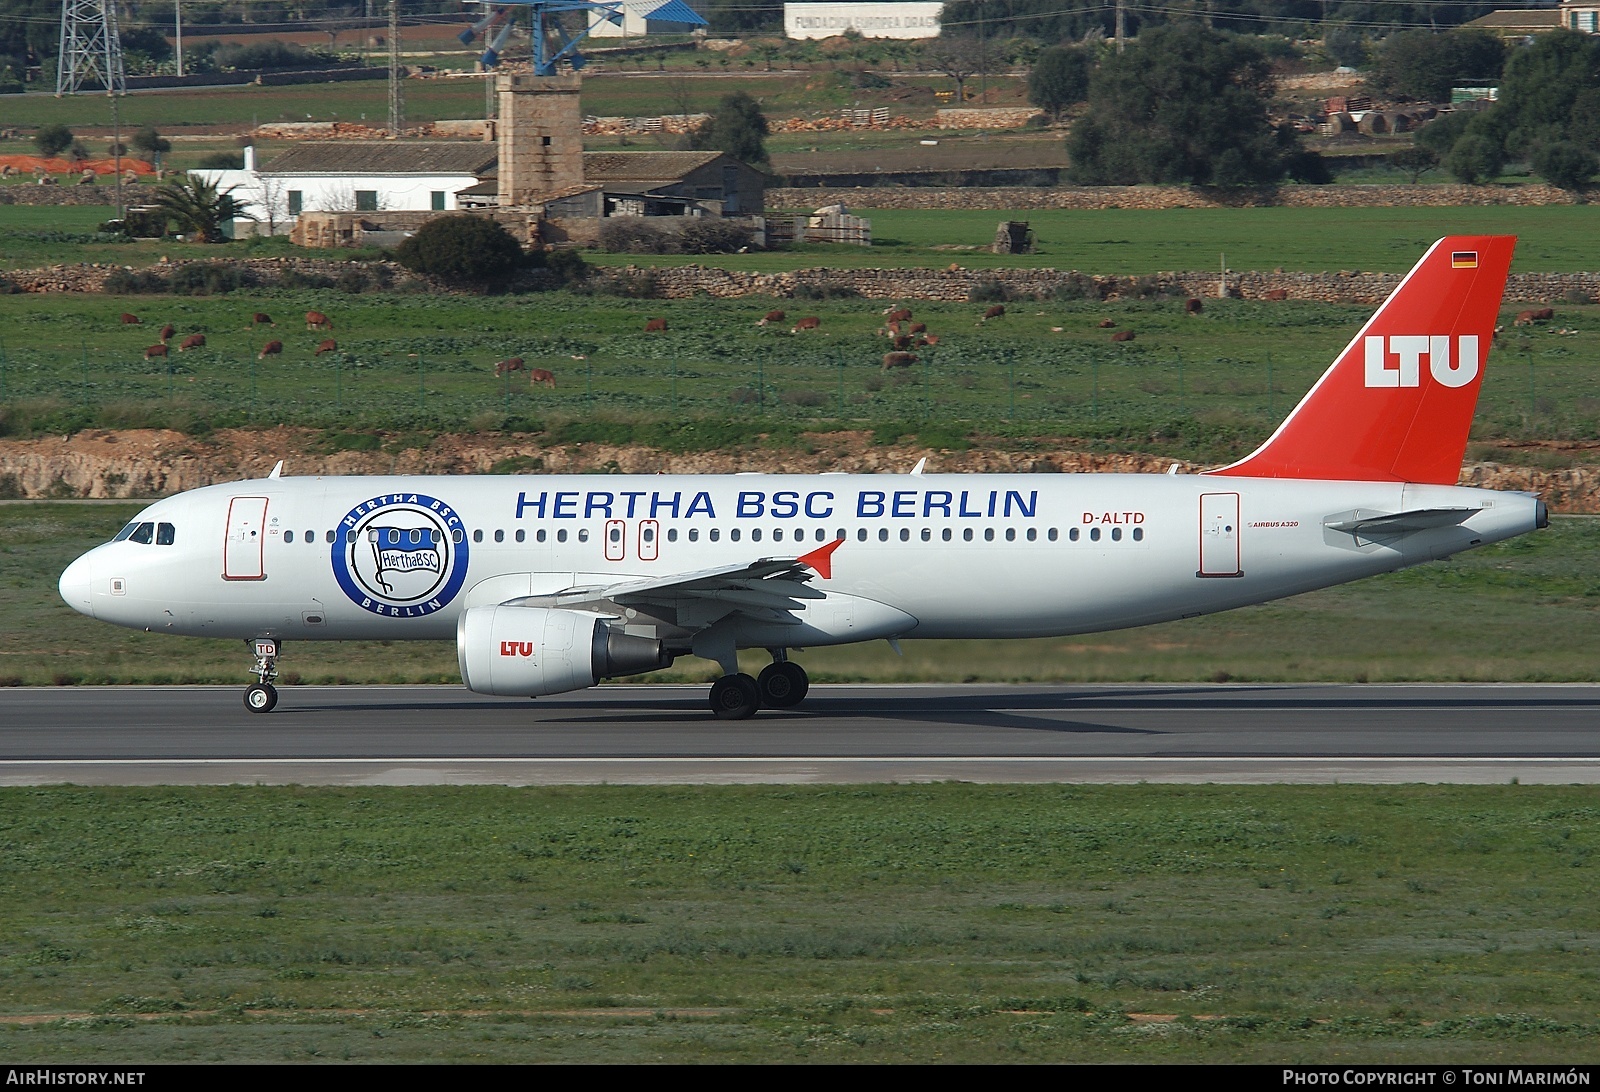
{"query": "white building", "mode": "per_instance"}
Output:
(642, 17)
(907, 19)
(372, 176)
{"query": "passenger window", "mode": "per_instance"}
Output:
(905, 534)
(331, 537)
(458, 536)
(822, 534)
(477, 536)
(649, 535)
(883, 534)
(966, 534)
(311, 538)
(1011, 534)
(1116, 534)
(1094, 534)
(694, 534)
(988, 534)
(521, 534)
(861, 534)
(1051, 534)
(143, 534)
(561, 535)
(1138, 534)
(583, 534)
(539, 536)
(733, 535)
(926, 534)
(1073, 534)
(672, 534)
(755, 534)
(777, 534)
(946, 534)
(714, 534)
(1033, 534)
(288, 536)
(499, 536)
(616, 534)
(841, 536)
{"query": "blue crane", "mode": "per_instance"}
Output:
(501, 16)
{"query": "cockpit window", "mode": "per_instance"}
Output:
(165, 533)
(125, 532)
(143, 533)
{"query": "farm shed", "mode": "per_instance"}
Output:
(642, 17)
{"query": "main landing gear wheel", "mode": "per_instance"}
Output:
(260, 697)
(735, 697)
(782, 684)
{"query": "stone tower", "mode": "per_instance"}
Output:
(541, 136)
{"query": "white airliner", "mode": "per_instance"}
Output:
(550, 584)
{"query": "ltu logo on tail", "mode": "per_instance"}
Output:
(516, 648)
(1399, 363)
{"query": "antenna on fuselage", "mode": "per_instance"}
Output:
(277, 471)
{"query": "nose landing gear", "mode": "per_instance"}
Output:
(261, 696)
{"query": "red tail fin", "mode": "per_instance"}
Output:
(1397, 404)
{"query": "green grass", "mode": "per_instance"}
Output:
(1524, 610)
(1187, 387)
(938, 923)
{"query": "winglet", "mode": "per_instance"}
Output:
(821, 559)
(277, 471)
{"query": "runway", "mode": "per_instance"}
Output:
(841, 734)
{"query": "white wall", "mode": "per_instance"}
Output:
(634, 13)
(887, 20)
(336, 193)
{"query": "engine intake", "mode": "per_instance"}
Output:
(530, 651)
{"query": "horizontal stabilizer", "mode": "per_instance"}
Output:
(1401, 523)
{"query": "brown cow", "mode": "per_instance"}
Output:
(155, 351)
(771, 317)
(903, 341)
(129, 320)
(1122, 335)
(167, 331)
(193, 341)
(1106, 324)
(810, 322)
(655, 326)
(506, 367)
(1524, 318)
(1192, 306)
(271, 348)
(539, 377)
(316, 320)
(1277, 295)
(261, 318)
(899, 360)
(997, 311)
(328, 345)
(929, 339)
(1544, 314)
(918, 328)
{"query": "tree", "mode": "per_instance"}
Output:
(152, 144)
(1422, 65)
(1416, 161)
(1475, 159)
(1563, 163)
(959, 56)
(1059, 78)
(1182, 104)
(462, 248)
(199, 209)
(52, 140)
(1345, 46)
(737, 127)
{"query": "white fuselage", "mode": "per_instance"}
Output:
(925, 556)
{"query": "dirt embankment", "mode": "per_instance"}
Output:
(153, 463)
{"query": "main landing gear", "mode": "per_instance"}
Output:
(260, 696)
(782, 683)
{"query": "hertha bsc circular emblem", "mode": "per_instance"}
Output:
(401, 556)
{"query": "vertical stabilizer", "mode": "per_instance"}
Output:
(1398, 402)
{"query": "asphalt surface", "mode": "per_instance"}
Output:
(637, 734)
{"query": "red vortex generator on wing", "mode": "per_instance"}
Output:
(1398, 402)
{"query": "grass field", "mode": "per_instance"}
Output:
(939, 923)
(1187, 387)
(1524, 610)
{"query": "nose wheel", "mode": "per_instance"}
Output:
(261, 696)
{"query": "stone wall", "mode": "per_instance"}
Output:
(104, 193)
(1169, 197)
(91, 277)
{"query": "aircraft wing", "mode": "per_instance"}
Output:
(769, 589)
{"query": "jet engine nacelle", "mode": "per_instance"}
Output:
(528, 651)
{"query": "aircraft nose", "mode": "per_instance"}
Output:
(77, 584)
